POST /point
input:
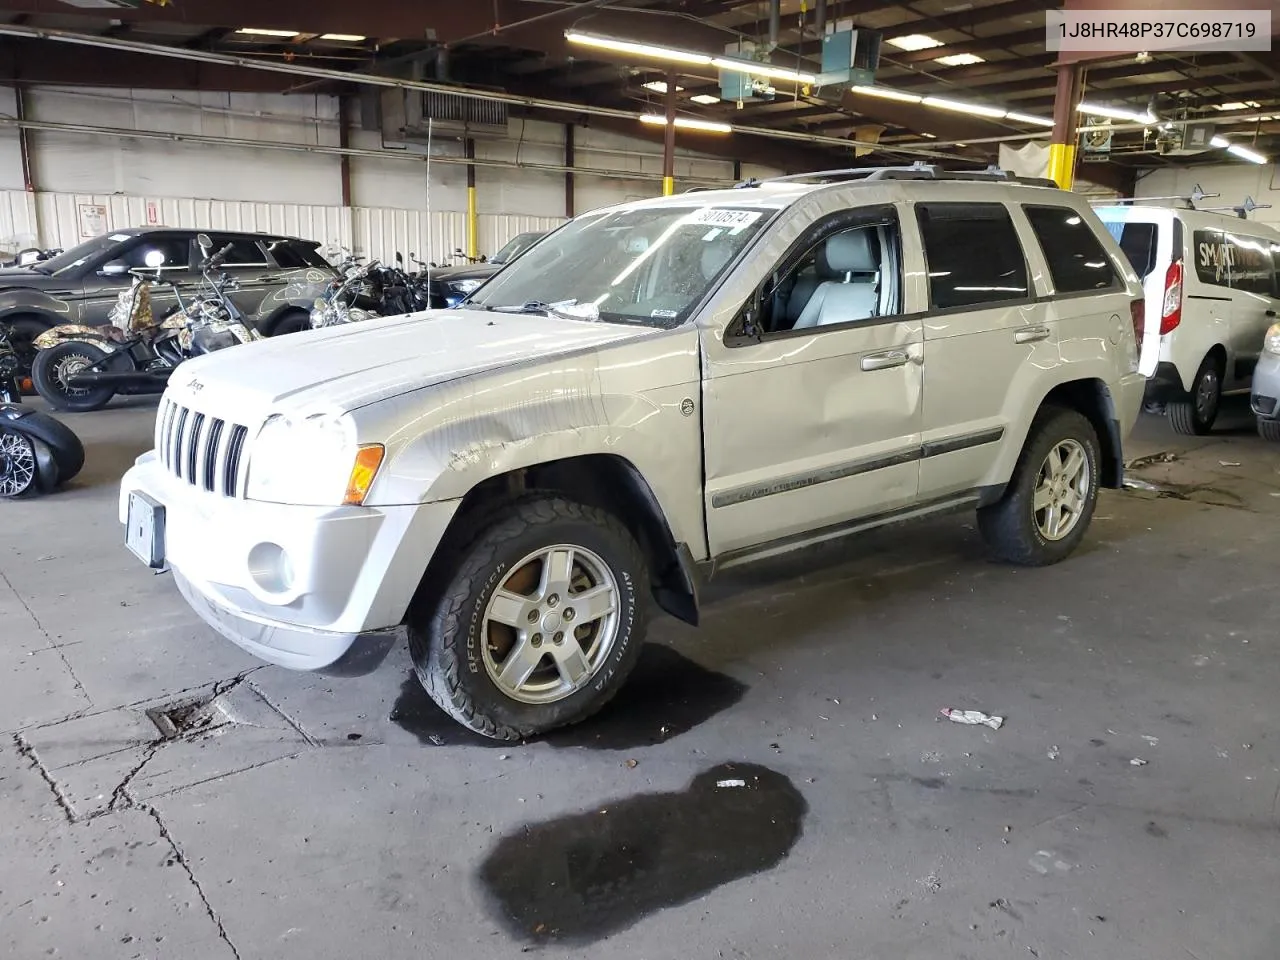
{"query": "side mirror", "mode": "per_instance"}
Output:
(204, 243)
(114, 268)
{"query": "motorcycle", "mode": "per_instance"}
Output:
(80, 368)
(350, 297)
(37, 452)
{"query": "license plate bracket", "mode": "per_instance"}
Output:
(144, 530)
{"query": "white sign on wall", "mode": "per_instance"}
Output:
(93, 220)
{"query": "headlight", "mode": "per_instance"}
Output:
(319, 303)
(1272, 342)
(312, 462)
(464, 286)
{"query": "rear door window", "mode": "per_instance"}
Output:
(295, 254)
(1139, 242)
(176, 251)
(1077, 261)
(973, 254)
(244, 252)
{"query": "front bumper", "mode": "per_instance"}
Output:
(306, 588)
(1266, 387)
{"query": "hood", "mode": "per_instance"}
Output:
(472, 271)
(24, 277)
(344, 368)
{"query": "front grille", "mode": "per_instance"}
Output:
(204, 451)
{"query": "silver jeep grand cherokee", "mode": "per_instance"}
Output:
(660, 390)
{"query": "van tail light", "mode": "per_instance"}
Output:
(1138, 317)
(1171, 309)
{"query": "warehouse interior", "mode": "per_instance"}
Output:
(779, 776)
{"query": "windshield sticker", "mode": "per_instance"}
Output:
(715, 217)
(712, 234)
(664, 314)
(119, 237)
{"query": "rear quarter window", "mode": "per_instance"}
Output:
(1139, 242)
(1225, 259)
(1077, 260)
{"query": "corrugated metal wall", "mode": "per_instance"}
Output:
(65, 219)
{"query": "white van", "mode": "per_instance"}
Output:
(1209, 282)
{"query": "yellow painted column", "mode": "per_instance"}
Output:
(473, 239)
(1062, 164)
(668, 186)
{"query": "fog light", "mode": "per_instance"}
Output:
(270, 567)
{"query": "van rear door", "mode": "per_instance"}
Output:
(1149, 237)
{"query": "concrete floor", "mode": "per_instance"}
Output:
(313, 818)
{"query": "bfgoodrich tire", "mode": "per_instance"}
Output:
(1194, 416)
(1051, 496)
(539, 622)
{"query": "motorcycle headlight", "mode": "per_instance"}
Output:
(464, 286)
(312, 461)
(1272, 342)
(319, 303)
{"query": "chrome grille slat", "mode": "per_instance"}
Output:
(204, 450)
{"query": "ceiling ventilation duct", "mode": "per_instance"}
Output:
(405, 114)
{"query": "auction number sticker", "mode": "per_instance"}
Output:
(719, 217)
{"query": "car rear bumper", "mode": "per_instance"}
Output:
(1164, 385)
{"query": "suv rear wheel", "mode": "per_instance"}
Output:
(1050, 499)
(1194, 416)
(539, 623)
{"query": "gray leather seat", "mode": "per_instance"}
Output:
(856, 295)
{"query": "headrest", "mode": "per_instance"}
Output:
(850, 252)
(714, 257)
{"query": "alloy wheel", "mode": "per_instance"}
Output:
(17, 464)
(550, 624)
(1062, 490)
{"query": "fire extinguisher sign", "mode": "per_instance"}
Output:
(153, 213)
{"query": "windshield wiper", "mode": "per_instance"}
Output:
(529, 306)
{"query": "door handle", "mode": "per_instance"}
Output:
(1031, 334)
(883, 361)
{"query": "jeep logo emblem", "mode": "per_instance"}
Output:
(195, 386)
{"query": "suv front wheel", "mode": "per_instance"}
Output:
(1050, 499)
(539, 623)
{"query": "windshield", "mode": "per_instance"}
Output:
(651, 265)
(516, 246)
(78, 254)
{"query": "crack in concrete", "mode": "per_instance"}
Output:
(28, 752)
(119, 799)
(52, 646)
(311, 741)
(181, 859)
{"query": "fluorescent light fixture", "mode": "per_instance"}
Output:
(751, 67)
(261, 32)
(973, 109)
(914, 41)
(1244, 153)
(639, 49)
(762, 70)
(1116, 113)
(959, 59)
(887, 93)
(660, 86)
(687, 123)
(1017, 117)
(1220, 142)
(1238, 105)
(343, 37)
(930, 136)
(704, 98)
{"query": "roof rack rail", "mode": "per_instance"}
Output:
(1191, 199)
(1241, 210)
(916, 171)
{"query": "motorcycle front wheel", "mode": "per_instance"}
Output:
(55, 365)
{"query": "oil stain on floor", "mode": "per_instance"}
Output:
(582, 877)
(667, 695)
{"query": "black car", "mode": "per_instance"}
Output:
(276, 280)
(451, 285)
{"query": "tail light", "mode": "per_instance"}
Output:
(1138, 317)
(1171, 308)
